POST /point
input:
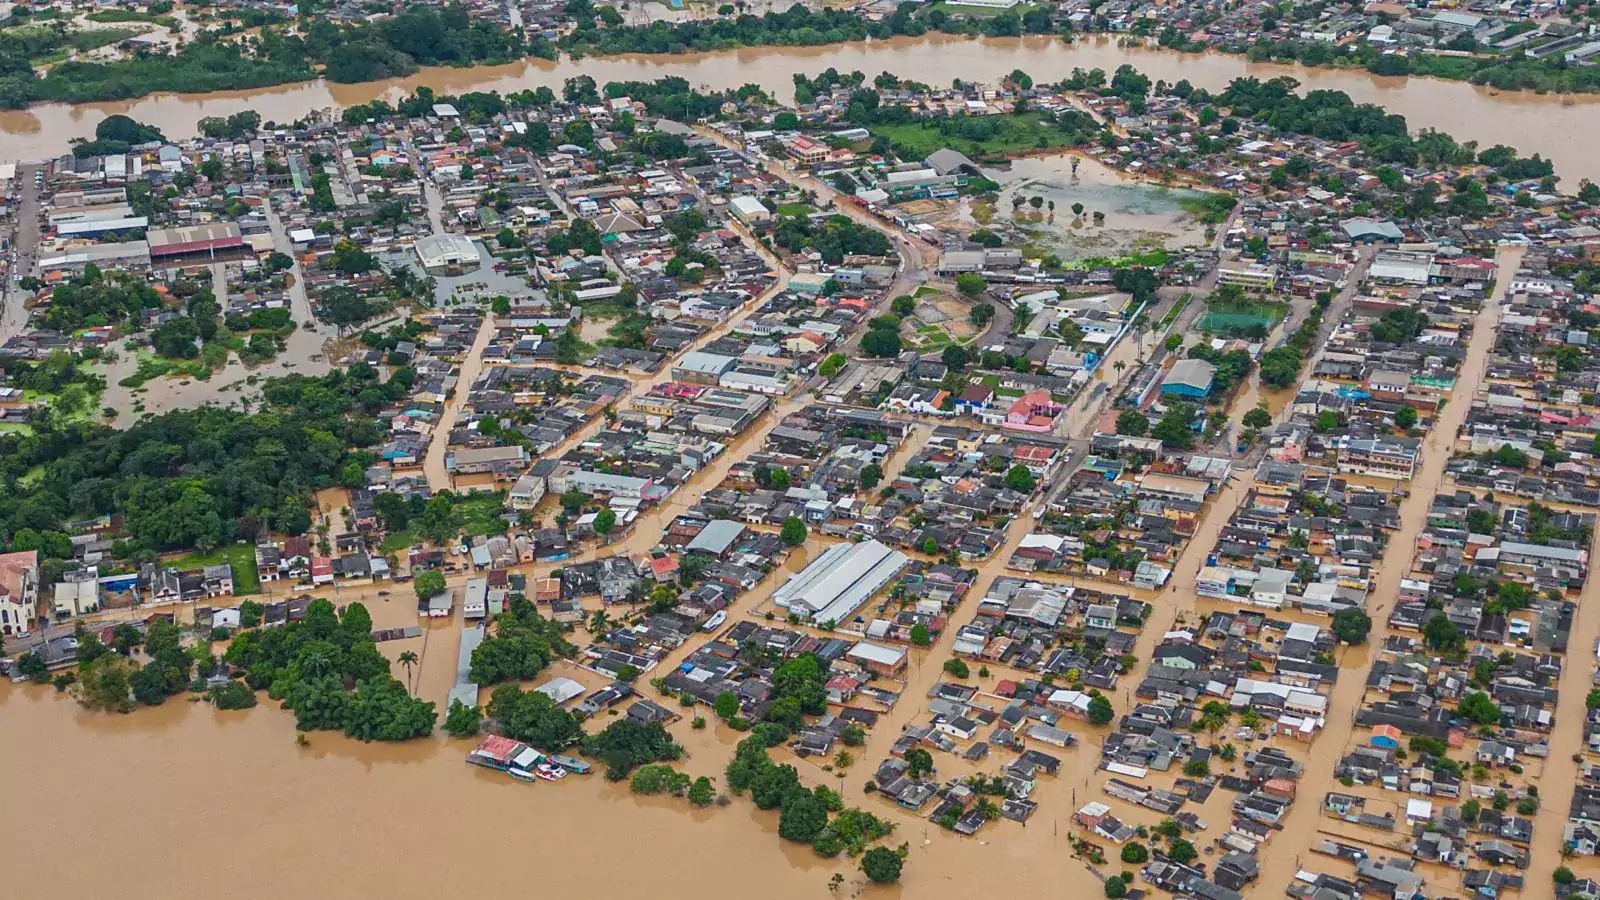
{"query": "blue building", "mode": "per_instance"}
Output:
(1190, 379)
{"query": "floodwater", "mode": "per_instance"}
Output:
(1558, 127)
(235, 384)
(1138, 215)
(1278, 868)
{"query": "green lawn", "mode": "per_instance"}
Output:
(796, 209)
(242, 557)
(482, 513)
(1005, 134)
(396, 541)
(980, 12)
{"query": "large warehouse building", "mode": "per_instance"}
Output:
(441, 253)
(835, 585)
(192, 243)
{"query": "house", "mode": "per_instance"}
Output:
(1033, 412)
(526, 493)
(889, 662)
(19, 591)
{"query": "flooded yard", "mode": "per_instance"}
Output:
(1133, 215)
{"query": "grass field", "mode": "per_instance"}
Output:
(482, 513)
(241, 557)
(1012, 134)
(980, 12)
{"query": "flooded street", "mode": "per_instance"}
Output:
(1560, 128)
(233, 384)
(1278, 867)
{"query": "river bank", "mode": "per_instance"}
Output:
(1558, 128)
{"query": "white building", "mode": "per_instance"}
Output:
(839, 581)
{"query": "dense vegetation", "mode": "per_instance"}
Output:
(835, 237)
(1510, 71)
(327, 669)
(197, 478)
(523, 643)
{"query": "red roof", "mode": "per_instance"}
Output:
(222, 243)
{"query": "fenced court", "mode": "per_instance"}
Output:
(1234, 320)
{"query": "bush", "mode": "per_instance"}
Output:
(701, 793)
(882, 865)
(463, 720)
(658, 779)
(233, 695)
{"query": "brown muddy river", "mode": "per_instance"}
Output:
(1560, 128)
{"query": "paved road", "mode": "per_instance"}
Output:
(25, 246)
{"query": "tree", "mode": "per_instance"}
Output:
(1258, 417)
(1405, 418)
(1351, 626)
(1173, 342)
(1442, 634)
(32, 667)
(1478, 707)
(882, 865)
(871, 474)
(604, 522)
(957, 668)
(625, 744)
(1019, 478)
(1196, 768)
(954, 356)
(919, 635)
(802, 817)
(701, 793)
(1174, 429)
(1133, 423)
(462, 720)
(971, 285)
(1134, 853)
(919, 762)
(793, 532)
(1563, 875)
(1100, 710)
(903, 305)
(408, 660)
(1181, 851)
(428, 584)
(726, 705)
(881, 342)
(1116, 888)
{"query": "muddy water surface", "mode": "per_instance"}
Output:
(1560, 128)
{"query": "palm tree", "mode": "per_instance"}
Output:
(1119, 365)
(409, 659)
(315, 662)
(599, 622)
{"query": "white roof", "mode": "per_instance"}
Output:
(877, 653)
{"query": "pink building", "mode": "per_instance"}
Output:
(1034, 411)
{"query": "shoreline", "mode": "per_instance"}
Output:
(566, 57)
(64, 121)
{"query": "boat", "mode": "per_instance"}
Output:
(717, 618)
(522, 765)
(549, 772)
(570, 764)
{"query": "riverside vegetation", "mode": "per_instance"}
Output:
(292, 51)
